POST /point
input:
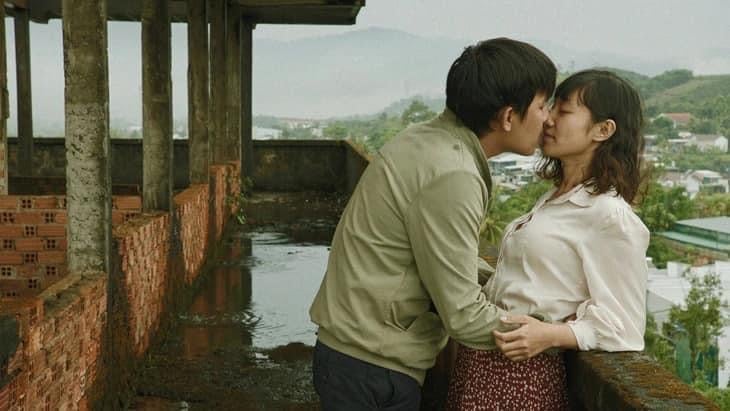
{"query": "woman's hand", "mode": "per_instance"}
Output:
(532, 337)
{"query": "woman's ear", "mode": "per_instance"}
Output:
(606, 128)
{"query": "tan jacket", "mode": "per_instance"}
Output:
(407, 238)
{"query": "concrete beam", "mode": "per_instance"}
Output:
(88, 174)
(25, 100)
(4, 107)
(199, 154)
(232, 143)
(156, 107)
(246, 82)
(218, 82)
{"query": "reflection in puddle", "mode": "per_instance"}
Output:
(258, 298)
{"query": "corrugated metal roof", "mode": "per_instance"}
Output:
(719, 224)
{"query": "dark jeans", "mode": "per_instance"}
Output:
(346, 383)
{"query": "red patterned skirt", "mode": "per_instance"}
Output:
(487, 380)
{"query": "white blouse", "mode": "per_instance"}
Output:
(578, 254)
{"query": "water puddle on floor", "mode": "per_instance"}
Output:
(246, 340)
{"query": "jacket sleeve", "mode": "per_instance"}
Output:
(443, 227)
(614, 263)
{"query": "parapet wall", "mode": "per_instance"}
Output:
(279, 165)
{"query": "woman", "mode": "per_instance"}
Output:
(579, 255)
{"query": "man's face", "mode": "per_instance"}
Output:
(527, 130)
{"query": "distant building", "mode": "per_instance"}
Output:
(512, 171)
(706, 142)
(263, 133)
(709, 233)
(696, 181)
(679, 120)
(705, 181)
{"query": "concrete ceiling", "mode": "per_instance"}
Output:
(258, 11)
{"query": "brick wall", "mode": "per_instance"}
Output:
(144, 251)
(193, 214)
(33, 240)
(59, 356)
(60, 363)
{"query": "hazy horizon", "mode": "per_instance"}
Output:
(360, 78)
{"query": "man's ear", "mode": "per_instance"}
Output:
(505, 117)
(606, 129)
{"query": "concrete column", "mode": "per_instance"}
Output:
(25, 100)
(4, 108)
(156, 107)
(232, 145)
(88, 172)
(217, 80)
(247, 165)
(198, 91)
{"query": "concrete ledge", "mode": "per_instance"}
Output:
(627, 381)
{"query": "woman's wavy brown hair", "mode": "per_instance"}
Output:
(616, 162)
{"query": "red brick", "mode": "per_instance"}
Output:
(51, 257)
(9, 202)
(45, 202)
(50, 230)
(29, 244)
(11, 231)
(11, 258)
(61, 217)
(29, 217)
(29, 270)
(128, 202)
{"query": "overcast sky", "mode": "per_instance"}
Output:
(696, 33)
(656, 33)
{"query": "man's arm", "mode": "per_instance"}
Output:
(443, 226)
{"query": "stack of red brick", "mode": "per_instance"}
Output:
(192, 211)
(33, 240)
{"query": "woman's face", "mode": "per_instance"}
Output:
(569, 131)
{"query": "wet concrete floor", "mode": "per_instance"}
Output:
(245, 342)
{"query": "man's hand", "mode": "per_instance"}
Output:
(530, 339)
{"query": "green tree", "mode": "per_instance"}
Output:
(712, 205)
(335, 131)
(701, 319)
(661, 207)
(702, 126)
(501, 212)
(657, 346)
(416, 112)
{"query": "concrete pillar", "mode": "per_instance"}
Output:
(25, 100)
(157, 178)
(198, 91)
(232, 144)
(4, 108)
(246, 82)
(88, 172)
(217, 80)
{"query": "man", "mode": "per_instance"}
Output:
(402, 272)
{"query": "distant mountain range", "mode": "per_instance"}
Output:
(354, 73)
